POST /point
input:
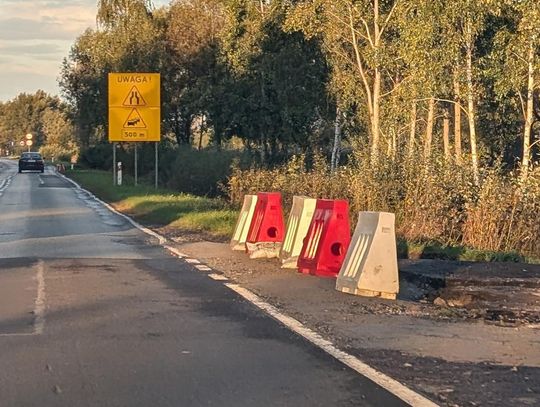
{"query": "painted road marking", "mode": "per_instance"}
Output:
(202, 267)
(192, 261)
(393, 386)
(39, 304)
(175, 251)
(386, 382)
(6, 182)
(218, 277)
(39, 311)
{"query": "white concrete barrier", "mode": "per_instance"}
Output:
(243, 223)
(370, 268)
(297, 228)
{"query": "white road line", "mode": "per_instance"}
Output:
(192, 261)
(389, 384)
(39, 305)
(393, 386)
(202, 267)
(175, 251)
(162, 240)
(39, 311)
(218, 277)
(41, 182)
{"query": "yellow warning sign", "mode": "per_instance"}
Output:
(134, 124)
(135, 121)
(134, 98)
(134, 107)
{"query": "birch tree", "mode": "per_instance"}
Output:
(360, 43)
(519, 66)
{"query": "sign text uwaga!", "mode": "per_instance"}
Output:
(134, 107)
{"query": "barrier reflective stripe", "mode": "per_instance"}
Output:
(243, 223)
(267, 224)
(298, 223)
(370, 267)
(327, 239)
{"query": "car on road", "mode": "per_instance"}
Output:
(31, 161)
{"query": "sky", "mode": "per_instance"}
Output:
(35, 36)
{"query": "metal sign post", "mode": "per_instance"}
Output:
(136, 167)
(114, 163)
(157, 166)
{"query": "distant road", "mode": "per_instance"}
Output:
(95, 313)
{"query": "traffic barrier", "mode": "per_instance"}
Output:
(238, 241)
(370, 268)
(327, 239)
(266, 231)
(297, 228)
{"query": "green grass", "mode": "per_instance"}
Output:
(161, 207)
(436, 250)
(217, 218)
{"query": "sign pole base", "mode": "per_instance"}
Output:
(114, 164)
(157, 165)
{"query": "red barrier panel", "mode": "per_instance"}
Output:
(327, 240)
(267, 224)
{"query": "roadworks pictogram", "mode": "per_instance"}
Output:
(135, 121)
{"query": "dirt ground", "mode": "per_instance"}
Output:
(456, 356)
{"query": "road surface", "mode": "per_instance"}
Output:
(93, 312)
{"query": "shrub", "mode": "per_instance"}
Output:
(98, 157)
(433, 200)
(200, 172)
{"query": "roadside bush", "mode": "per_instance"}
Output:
(433, 200)
(505, 216)
(97, 157)
(201, 172)
(57, 153)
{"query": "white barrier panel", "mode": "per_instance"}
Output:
(297, 228)
(241, 229)
(370, 268)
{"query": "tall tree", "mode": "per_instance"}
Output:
(24, 114)
(516, 55)
(281, 76)
(359, 38)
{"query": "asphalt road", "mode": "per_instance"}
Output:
(95, 313)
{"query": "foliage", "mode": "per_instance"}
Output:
(403, 79)
(25, 114)
(433, 201)
(200, 172)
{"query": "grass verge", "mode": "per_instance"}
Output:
(216, 218)
(161, 207)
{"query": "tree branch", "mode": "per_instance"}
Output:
(387, 20)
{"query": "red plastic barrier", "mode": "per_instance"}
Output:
(327, 240)
(267, 224)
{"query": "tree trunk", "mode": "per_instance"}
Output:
(457, 120)
(528, 114)
(412, 132)
(336, 150)
(429, 128)
(187, 131)
(375, 124)
(446, 136)
(470, 101)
